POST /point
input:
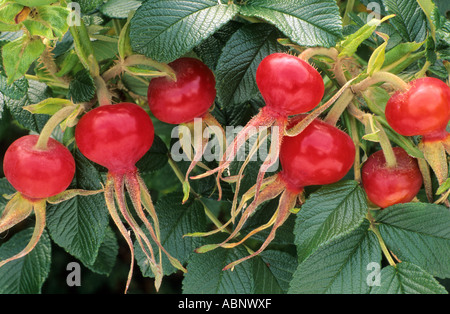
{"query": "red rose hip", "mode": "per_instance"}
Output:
(37, 173)
(115, 136)
(423, 109)
(320, 154)
(386, 186)
(189, 97)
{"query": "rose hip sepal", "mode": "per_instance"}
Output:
(289, 86)
(187, 101)
(320, 154)
(39, 175)
(386, 186)
(423, 109)
(116, 137)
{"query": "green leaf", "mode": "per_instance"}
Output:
(331, 211)
(210, 49)
(124, 45)
(18, 55)
(107, 254)
(84, 47)
(16, 90)
(340, 266)
(89, 5)
(5, 189)
(164, 30)
(410, 21)
(418, 233)
(48, 106)
(79, 224)
(306, 22)
(236, 67)
(401, 56)
(34, 3)
(81, 87)
(407, 278)
(8, 12)
(35, 93)
(205, 275)
(25, 275)
(49, 22)
(377, 58)
(175, 220)
(351, 42)
(428, 8)
(155, 158)
(119, 9)
(273, 271)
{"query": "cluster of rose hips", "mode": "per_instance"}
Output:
(116, 136)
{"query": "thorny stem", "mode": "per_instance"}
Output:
(51, 124)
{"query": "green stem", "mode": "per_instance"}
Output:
(339, 107)
(355, 138)
(103, 94)
(423, 71)
(143, 60)
(379, 77)
(211, 216)
(383, 246)
(176, 170)
(386, 146)
(117, 26)
(348, 9)
(308, 53)
(181, 178)
(51, 124)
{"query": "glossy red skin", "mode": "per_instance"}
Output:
(38, 174)
(115, 136)
(288, 84)
(424, 109)
(185, 99)
(320, 154)
(388, 186)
